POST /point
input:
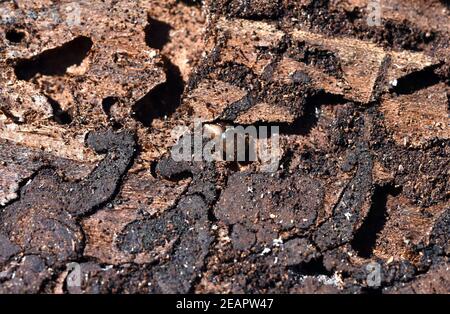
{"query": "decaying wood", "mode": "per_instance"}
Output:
(88, 110)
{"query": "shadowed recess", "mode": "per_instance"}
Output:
(162, 100)
(315, 267)
(366, 236)
(157, 33)
(54, 61)
(446, 2)
(191, 2)
(59, 115)
(14, 36)
(107, 104)
(305, 123)
(416, 81)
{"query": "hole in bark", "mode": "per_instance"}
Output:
(366, 236)
(162, 100)
(314, 267)
(157, 33)
(107, 104)
(304, 124)
(54, 61)
(416, 81)
(192, 2)
(60, 116)
(14, 36)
